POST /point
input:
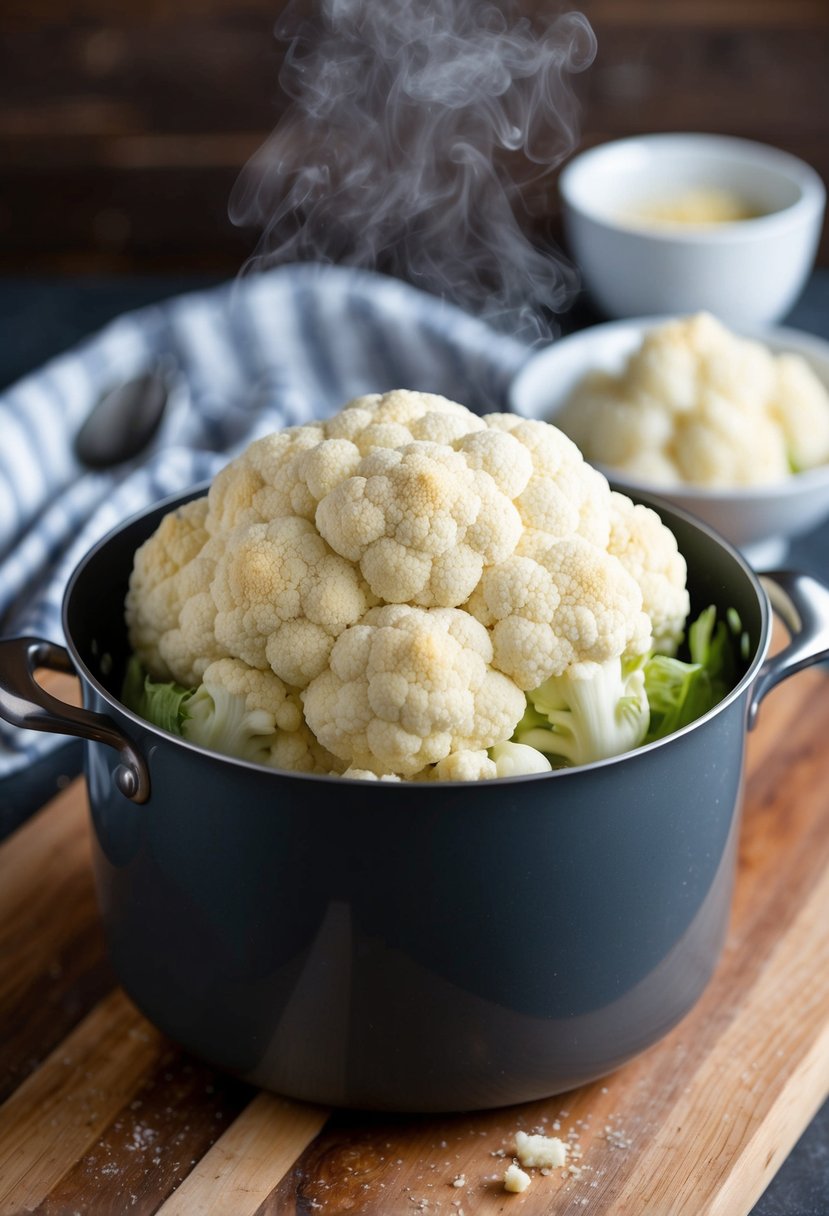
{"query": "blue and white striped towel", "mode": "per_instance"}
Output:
(264, 352)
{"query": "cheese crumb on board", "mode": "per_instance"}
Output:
(540, 1152)
(515, 1179)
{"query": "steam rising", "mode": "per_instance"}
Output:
(413, 126)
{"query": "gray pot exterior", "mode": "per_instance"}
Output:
(389, 950)
(419, 948)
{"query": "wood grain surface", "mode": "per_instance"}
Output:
(103, 1115)
(123, 127)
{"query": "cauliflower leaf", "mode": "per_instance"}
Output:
(679, 692)
(163, 704)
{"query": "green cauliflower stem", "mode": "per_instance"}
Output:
(593, 711)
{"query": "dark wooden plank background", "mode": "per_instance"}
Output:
(124, 123)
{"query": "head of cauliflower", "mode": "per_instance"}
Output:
(405, 571)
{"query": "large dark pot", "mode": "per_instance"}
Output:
(420, 948)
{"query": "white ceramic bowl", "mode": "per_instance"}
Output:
(748, 272)
(758, 520)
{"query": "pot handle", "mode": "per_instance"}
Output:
(802, 603)
(25, 704)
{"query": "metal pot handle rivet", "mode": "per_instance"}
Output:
(802, 603)
(25, 704)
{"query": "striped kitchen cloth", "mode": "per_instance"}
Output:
(260, 353)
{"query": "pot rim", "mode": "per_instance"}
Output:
(201, 488)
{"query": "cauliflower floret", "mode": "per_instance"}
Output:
(516, 759)
(408, 686)
(420, 522)
(653, 468)
(696, 404)
(309, 477)
(800, 406)
(564, 496)
(561, 603)
(282, 597)
(682, 359)
(189, 648)
(169, 612)
(505, 759)
(648, 550)
(604, 423)
(465, 765)
(153, 600)
(392, 420)
(723, 444)
(498, 453)
(260, 483)
(364, 774)
(299, 751)
(664, 368)
(252, 715)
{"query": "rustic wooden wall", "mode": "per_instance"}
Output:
(124, 123)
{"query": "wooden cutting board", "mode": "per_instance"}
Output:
(101, 1114)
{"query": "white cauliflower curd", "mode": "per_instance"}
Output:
(379, 596)
(697, 405)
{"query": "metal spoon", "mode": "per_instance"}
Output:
(124, 419)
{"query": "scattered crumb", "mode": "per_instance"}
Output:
(515, 1179)
(617, 1138)
(540, 1151)
(459, 1181)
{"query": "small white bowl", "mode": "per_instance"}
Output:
(759, 520)
(747, 272)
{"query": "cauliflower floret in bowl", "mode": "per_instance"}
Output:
(733, 427)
